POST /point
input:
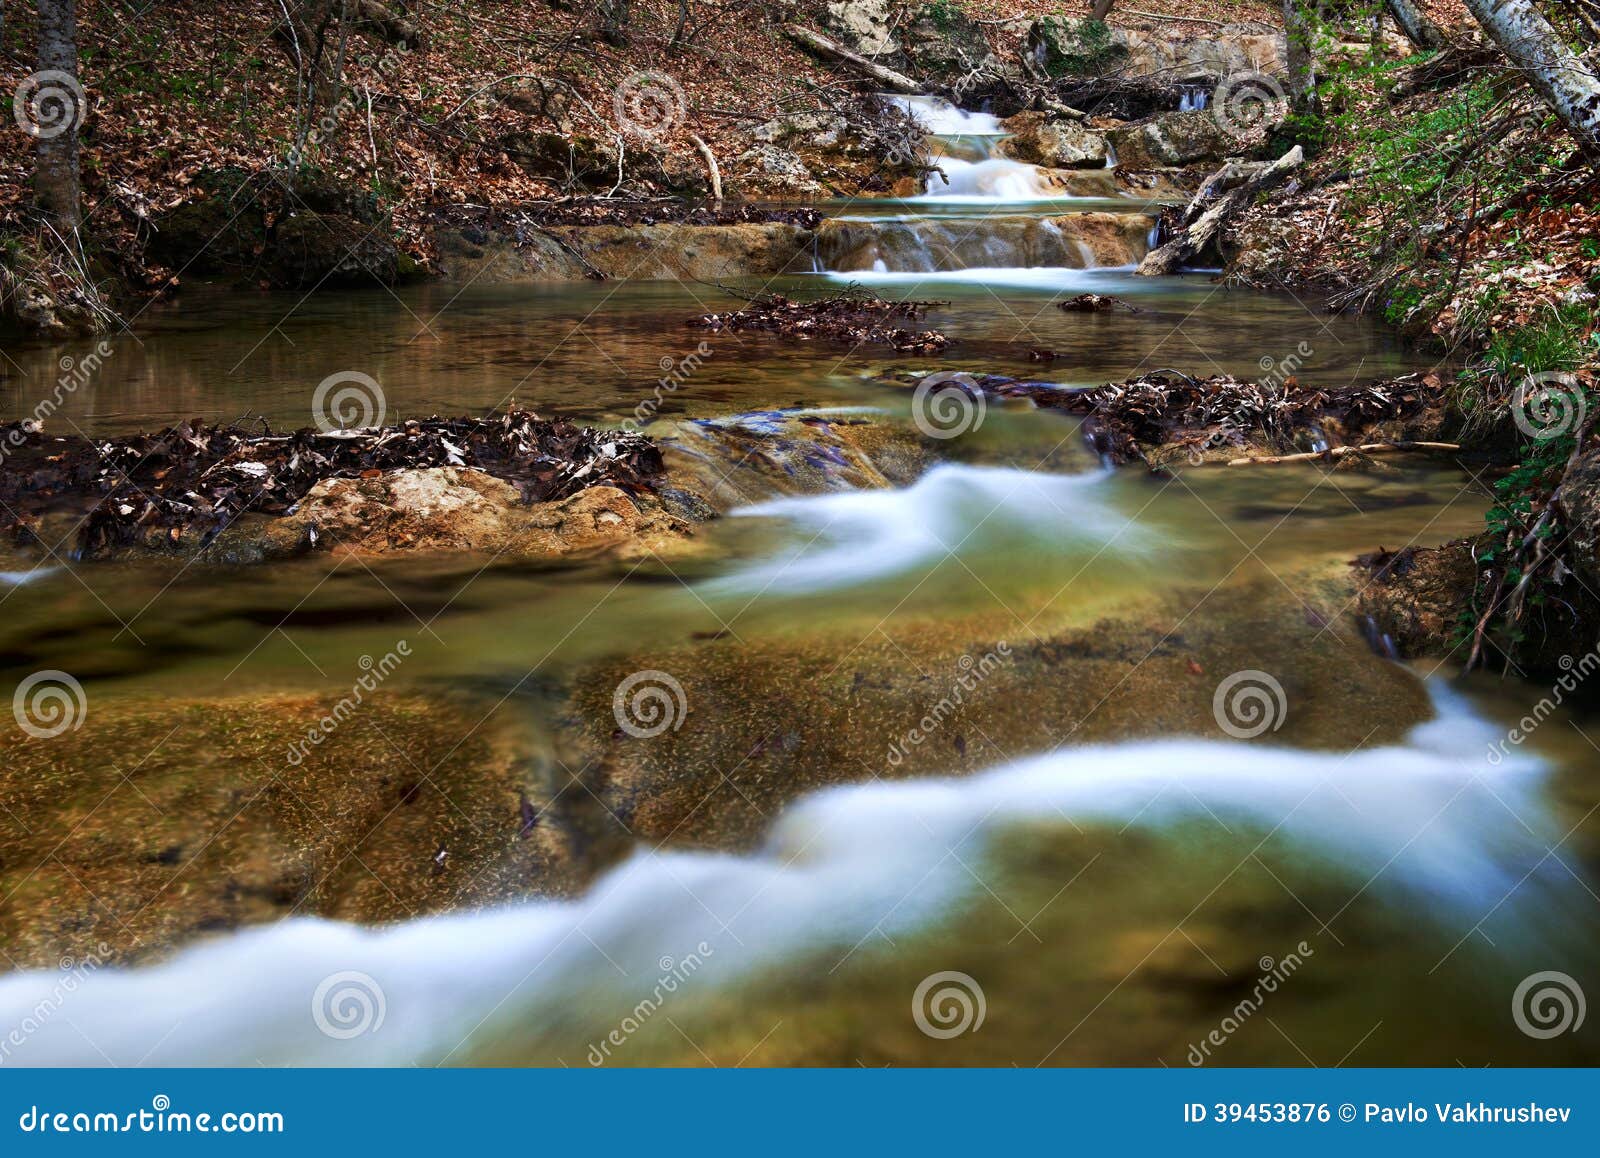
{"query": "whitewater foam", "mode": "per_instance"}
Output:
(1426, 817)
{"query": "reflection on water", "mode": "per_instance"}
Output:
(595, 351)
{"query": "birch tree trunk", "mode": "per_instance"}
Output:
(57, 112)
(1414, 22)
(1556, 73)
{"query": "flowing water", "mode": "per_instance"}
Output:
(863, 843)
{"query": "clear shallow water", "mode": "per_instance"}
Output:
(595, 351)
(1113, 903)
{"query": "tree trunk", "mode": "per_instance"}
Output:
(1414, 22)
(1567, 85)
(1298, 33)
(1102, 9)
(59, 106)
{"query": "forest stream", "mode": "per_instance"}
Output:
(999, 756)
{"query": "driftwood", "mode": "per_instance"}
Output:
(713, 174)
(1225, 193)
(817, 42)
(1342, 451)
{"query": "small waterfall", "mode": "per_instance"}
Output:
(912, 244)
(1193, 99)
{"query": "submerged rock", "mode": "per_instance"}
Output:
(746, 458)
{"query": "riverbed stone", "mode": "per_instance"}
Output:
(1036, 140)
(1169, 139)
(456, 509)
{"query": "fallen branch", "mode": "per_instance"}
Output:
(832, 48)
(713, 174)
(1225, 193)
(1342, 451)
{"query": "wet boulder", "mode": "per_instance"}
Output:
(568, 160)
(1581, 492)
(1064, 47)
(456, 509)
(945, 45)
(1171, 139)
(1037, 140)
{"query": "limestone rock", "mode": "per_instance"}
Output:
(1167, 139)
(1056, 145)
(767, 170)
(455, 509)
(867, 26)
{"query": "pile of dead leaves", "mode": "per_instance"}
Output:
(203, 477)
(1168, 408)
(850, 317)
(1096, 304)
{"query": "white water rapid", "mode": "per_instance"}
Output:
(1424, 819)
